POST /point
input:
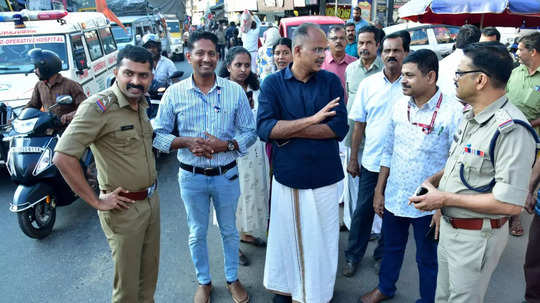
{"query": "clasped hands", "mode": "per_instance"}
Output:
(202, 147)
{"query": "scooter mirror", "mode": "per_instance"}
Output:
(64, 100)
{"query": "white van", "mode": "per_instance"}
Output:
(83, 41)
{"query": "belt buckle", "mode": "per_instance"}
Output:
(150, 191)
(447, 219)
(207, 170)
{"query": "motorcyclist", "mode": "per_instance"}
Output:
(52, 85)
(163, 66)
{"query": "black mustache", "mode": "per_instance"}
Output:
(365, 52)
(391, 59)
(135, 86)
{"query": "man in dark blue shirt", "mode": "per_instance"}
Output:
(302, 113)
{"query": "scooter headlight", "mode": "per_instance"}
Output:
(44, 162)
(24, 126)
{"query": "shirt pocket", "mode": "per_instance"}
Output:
(477, 169)
(127, 141)
(223, 124)
(531, 104)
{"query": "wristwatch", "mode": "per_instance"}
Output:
(230, 145)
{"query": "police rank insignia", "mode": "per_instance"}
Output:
(505, 123)
(103, 102)
(101, 105)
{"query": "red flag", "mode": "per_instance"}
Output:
(101, 6)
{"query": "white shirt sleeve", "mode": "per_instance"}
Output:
(358, 109)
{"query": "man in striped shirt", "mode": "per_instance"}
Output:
(215, 126)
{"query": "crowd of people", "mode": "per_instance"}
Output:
(280, 135)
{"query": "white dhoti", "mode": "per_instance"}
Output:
(341, 184)
(350, 196)
(350, 190)
(302, 250)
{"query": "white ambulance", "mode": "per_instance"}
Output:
(83, 40)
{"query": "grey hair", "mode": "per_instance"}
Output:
(302, 32)
(337, 28)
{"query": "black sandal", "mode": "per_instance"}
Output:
(258, 242)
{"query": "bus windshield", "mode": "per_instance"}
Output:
(14, 58)
(174, 26)
(120, 35)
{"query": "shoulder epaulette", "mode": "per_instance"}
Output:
(104, 100)
(504, 121)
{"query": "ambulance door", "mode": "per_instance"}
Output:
(81, 71)
(110, 49)
(98, 62)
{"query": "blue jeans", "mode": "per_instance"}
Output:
(362, 219)
(196, 191)
(396, 231)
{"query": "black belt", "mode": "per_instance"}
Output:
(210, 171)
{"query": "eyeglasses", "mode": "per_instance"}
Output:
(459, 74)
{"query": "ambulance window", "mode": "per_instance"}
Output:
(94, 47)
(108, 40)
(78, 51)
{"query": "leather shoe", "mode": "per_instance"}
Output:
(374, 296)
(202, 295)
(238, 292)
(349, 268)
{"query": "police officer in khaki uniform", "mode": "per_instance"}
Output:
(479, 189)
(115, 126)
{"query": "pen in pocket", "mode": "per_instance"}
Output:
(440, 131)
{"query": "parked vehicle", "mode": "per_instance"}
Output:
(83, 41)
(175, 33)
(137, 27)
(288, 25)
(436, 37)
(40, 186)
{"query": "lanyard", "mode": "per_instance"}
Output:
(427, 129)
(217, 109)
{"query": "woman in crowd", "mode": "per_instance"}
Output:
(265, 62)
(282, 53)
(252, 213)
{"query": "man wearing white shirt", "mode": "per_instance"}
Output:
(416, 146)
(371, 112)
(467, 34)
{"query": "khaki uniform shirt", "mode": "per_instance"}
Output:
(45, 94)
(523, 90)
(354, 74)
(514, 155)
(119, 137)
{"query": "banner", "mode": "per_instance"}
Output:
(343, 11)
(275, 5)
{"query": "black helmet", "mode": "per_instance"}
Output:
(47, 62)
(151, 39)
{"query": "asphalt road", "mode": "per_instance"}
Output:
(73, 264)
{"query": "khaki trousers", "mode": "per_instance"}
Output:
(467, 258)
(133, 237)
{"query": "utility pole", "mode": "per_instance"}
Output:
(389, 12)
